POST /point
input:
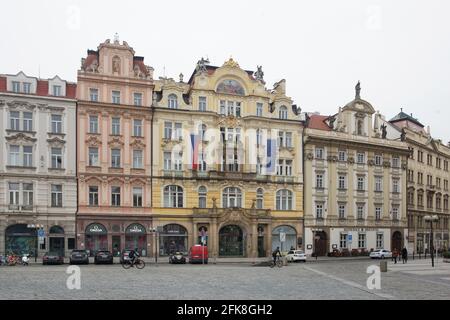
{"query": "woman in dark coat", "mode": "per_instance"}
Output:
(404, 255)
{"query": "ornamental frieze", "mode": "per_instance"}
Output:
(137, 144)
(309, 156)
(371, 163)
(116, 142)
(20, 105)
(56, 142)
(332, 158)
(351, 160)
(20, 137)
(228, 121)
(93, 141)
(386, 164)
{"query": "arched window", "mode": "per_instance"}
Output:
(283, 113)
(232, 197)
(360, 127)
(173, 196)
(284, 199)
(56, 230)
(202, 197)
(259, 198)
(173, 101)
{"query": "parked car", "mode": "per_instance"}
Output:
(295, 256)
(103, 256)
(52, 258)
(198, 254)
(79, 257)
(380, 254)
(124, 256)
(177, 257)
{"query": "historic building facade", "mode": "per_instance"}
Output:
(227, 163)
(114, 137)
(427, 184)
(355, 181)
(38, 187)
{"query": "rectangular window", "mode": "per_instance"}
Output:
(341, 211)
(343, 241)
(380, 241)
(342, 156)
(93, 196)
(168, 130)
(360, 158)
(395, 213)
(377, 213)
(288, 140)
(116, 97)
(341, 182)
(93, 124)
(14, 155)
(115, 196)
(178, 131)
(137, 159)
(26, 87)
(57, 158)
(56, 123)
(178, 161)
(259, 109)
(222, 107)
(115, 126)
(445, 165)
(319, 153)
(378, 160)
(27, 121)
(281, 142)
(396, 162)
(137, 197)
(319, 181)
(137, 127)
(27, 194)
(201, 103)
(167, 161)
(27, 156)
(14, 120)
(137, 99)
(13, 194)
(361, 184)
(16, 86)
(361, 240)
(319, 211)
(93, 156)
(280, 168)
(56, 195)
(378, 184)
(288, 168)
(115, 158)
(360, 212)
(93, 94)
(56, 91)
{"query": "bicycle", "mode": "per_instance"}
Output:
(138, 263)
(278, 263)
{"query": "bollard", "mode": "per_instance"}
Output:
(383, 265)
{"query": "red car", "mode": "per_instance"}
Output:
(52, 258)
(198, 254)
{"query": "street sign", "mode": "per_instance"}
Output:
(41, 233)
(349, 237)
(282, 237)
(41, 240)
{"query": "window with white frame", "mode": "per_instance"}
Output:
(93, 156)
(288, 139)
(56, 91)
(284, 199)
(137, 196)
(319, 181)
(56, 158)
(341, 210)
(288, 168)
(362, 240)
(93, 94)
(16, 86)
(360, 211)
(202, 166)
(342, 155)
(259, 198)
(395, 162)
(27, 121)
(343, 240)
(259, 166)
(380, 240)
(14, 155)
(56, 195)
(178, 131)
(283, 113)
(378, 160)
(202, 197)
(168, 130)
(232, 197)
(319, 153)
(115, 97)
(137, 159)
(395, 185)
(14, 120)
(27, 156)
(377, 213)
(319, 210)
(201, 103)
(137, 97)
(360, 183)
(259, 109)
(93, 195)
(137, 128)
(178, 160)
(202, 131)
(342, 182)
(172, 101)
(14, 193)
(360, 158)
(395, 215)
(27, 194)
(115, 196)
(56, 120)
(173, 196)
(93, 124)
(167, 160)
(378, 184)
(115, 158)
(115, 126)
(26, 87)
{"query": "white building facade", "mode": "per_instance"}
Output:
(38, 186)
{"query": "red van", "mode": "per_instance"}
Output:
(198, 254)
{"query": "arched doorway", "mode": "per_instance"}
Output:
(284, 237)
(96, 238)
(136, 237)
(231, 241)
(320, 243)
(56, 240)
(397, 241)
(173, 238)
(20, 239)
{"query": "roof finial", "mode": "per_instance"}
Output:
(401, 109)
(116, 38)
(358, 90)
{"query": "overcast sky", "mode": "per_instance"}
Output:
(399, 50)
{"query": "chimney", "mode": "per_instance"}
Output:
(428, 130)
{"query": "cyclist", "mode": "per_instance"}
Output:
(134, 255)
(276, 254)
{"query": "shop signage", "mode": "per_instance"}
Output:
(135, 229)
(282, 237)
(360, 229)
(96, 229)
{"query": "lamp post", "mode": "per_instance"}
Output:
(431, 219)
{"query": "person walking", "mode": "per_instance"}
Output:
(394, 255)
(404, 255)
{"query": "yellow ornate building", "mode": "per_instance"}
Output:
(227, 163)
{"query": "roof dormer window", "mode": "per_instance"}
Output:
(283, 113)
(56, 91)
(16, 86)
(173, 101)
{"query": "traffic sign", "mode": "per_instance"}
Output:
(349, 237)
(41, 233)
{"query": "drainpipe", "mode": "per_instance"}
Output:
(76, 174)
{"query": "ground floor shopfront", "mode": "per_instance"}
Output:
(322, 240)
(420, 240)
(226, 232)
(21, 235)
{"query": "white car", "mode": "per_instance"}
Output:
(380, 254)
(296, 255)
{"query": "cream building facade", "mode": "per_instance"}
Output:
(227, 163)
(355, 182)
(427, 184)
(38, 187)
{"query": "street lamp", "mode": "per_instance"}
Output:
(431, 219)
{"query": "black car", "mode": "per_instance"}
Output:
(79, 257)
(177, 257)
(52, 258)
(103, 256)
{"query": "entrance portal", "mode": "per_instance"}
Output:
(231, 241)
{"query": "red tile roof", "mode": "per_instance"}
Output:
(71, 90)
(318, 122)
(2, 84)
(42, 88)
